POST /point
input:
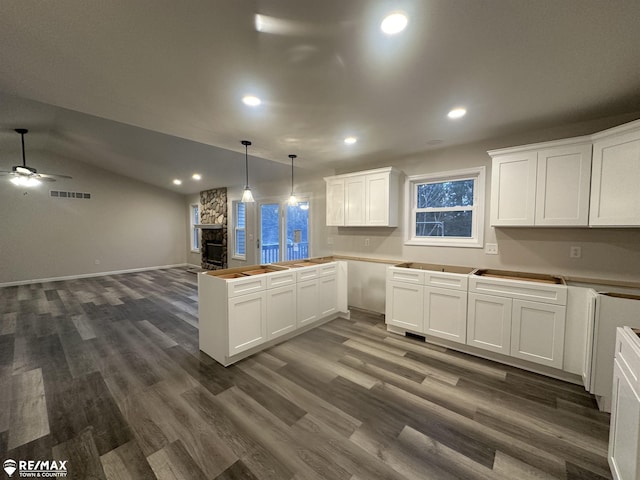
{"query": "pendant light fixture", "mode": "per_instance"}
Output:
(247, 196)
(293, 201)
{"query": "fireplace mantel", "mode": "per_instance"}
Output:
(209, 226)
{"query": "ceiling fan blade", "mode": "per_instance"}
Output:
(45, 179)
(53, 175)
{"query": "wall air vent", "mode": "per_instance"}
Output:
(77, 195)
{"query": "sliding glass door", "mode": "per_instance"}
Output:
(284, 231)
(297, 231)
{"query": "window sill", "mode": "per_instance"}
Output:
(234, 257)
(195, 251)
(449, 243)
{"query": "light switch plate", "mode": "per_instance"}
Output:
(491, 248)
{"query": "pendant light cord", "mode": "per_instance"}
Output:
(24, 160)
(292, 157)
(246, 144)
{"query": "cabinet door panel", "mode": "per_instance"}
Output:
(404, 307)
(377, 199)
(327, 295)
(307, 302)
(445, 313)
(624, 435)
(247, 322)
(281, 311)
(489, 323)
(355, 200)
(615, 196)
(335, 202)
(513, 189)
(537, 332)
(564, 181)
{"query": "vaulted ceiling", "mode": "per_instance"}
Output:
(157, 84)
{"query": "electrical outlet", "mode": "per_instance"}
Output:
(491, 249)
(329, 240)
(367, 242)
(575, 252)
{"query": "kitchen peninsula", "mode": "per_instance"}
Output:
(244, 310)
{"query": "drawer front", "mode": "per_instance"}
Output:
(446, 280)
(522, 290)
(406, 275)
(306, 273)
(280, 279)
(328, 269)
(628, 356)
(242, 286)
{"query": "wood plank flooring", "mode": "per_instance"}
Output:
(106, 373)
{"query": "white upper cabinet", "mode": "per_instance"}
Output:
(562, 189)
(354, 196)
(368, 198)
(335, 202)
(615, 183)
(545, 184)
(513, 189)
(377, 199)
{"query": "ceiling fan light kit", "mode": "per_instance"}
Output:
(24, 176)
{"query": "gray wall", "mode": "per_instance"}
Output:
(125, 225)
(606, 253)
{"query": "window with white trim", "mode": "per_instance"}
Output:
(194, 217)
(239, 230)
(446, 208)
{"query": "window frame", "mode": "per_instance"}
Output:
(194, 244)
(237, 256)
(478, 174)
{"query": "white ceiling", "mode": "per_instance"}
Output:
(156, 84)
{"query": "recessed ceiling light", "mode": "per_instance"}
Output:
(457, 113)
(196, 176)
(350, 140)
(394, 23)
(177, 182)
(251, 100)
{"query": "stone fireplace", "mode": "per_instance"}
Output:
(213, 241)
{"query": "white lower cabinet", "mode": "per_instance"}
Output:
(247, 321)
(624, 431)
(428, 299)
(281, 311)
(532, 331)
(241, 312)
(445, 313)
(327, 295)
(489, 322)
(404, 306)
(307, 302)
(537, 332)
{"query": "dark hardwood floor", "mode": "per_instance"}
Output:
(106, 373)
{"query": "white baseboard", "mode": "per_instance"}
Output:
(89, 275)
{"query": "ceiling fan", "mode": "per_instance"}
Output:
(28, 176)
